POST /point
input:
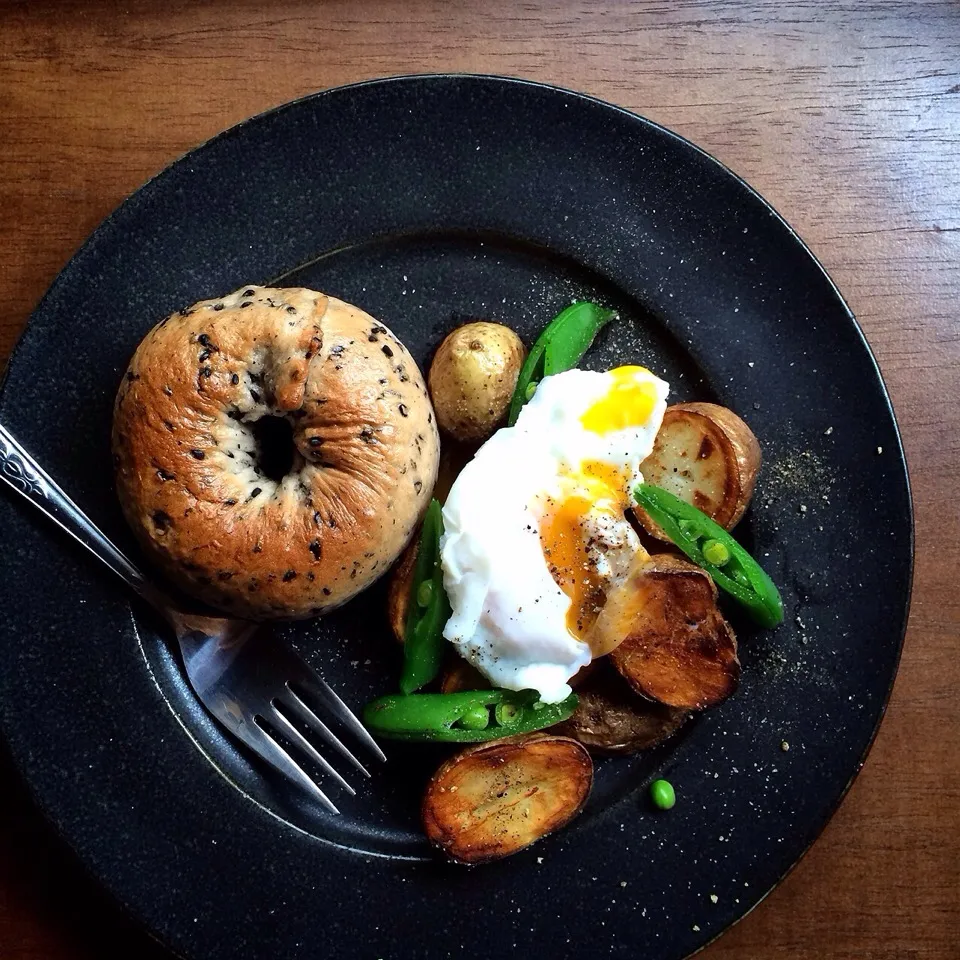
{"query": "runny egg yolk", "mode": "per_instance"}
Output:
(628, 403)
(564, 536)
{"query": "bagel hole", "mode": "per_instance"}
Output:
(275, 447)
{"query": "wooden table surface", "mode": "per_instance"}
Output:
(846, 116)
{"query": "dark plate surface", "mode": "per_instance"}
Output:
(429, 200)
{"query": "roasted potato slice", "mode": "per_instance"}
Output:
(472, 379)
(676, 649)
(398, 590)
(494, 799)
(706, 455)
(611, 718)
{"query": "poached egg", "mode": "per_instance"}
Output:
(535, 527)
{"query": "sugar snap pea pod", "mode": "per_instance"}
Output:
(471, 716)
(561, 345)
(709, 546)
(428, 609)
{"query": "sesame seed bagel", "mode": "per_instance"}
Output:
(358, 450)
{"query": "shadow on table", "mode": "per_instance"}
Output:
(49, 906)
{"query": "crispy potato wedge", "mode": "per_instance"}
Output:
(611, 718)
(676, 649)
(493, 799)
(706, 455)
(398, 590)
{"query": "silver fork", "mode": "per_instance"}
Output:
(248, 684)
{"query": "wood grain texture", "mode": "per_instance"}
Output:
(845, 115)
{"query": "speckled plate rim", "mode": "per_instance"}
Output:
(50, 815)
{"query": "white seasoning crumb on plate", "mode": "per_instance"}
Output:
(714, 898)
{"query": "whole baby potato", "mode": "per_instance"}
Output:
(472, 379)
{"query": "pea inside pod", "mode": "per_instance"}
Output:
(709, 546)
(428, 610)
(468, 717)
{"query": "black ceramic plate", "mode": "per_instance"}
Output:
(429, 200)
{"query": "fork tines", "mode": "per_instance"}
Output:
(290, 714)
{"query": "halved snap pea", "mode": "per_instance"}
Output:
(560, 347)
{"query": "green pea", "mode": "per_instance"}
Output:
(686, 528)
(662, 794)
(425, 593)
(531, 390)
(476, 718)
(507, 714)
(715, 552)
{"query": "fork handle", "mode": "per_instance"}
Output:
(29, 479)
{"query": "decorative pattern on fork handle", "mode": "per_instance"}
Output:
(19, 472)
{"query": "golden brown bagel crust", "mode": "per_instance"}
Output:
(186, 457)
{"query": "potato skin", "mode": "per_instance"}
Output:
(494, 799)
(677, 648)
(706, 455)
(611, 719)
(472, 379)
(398, 589)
